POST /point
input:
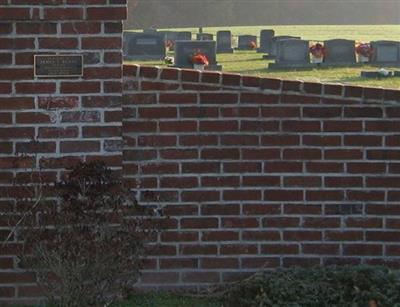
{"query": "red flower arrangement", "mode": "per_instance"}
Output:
(199, 59)
(318, 50)
(253, 45)
(364, 49)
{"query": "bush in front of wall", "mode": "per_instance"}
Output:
(332, 286)
(85, 246)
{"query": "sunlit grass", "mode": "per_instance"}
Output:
(317, 32)
(251, 63)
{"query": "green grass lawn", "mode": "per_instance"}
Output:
(168, 300)
(251, 63)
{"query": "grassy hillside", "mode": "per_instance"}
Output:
(251, 63)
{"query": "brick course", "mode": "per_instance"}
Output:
(256, 172)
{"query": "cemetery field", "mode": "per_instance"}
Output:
(251, 63)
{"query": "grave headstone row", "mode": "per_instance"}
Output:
(339, 52)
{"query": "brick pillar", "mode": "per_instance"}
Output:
(52, 123)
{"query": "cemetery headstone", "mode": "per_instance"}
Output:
(292, 53)
(204, 37)
(143, 46)
(266, 41)
(273, 49)
(224, 42)
(340, 52)
(385, 52)
(245, 42)
(184, 50)
(184, 36)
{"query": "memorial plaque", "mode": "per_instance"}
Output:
(50, 66)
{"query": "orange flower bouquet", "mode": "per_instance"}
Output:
(253, 45)
(199, 60)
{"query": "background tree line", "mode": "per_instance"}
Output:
(193, 13)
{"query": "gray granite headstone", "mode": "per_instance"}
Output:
(244, 42)
(224, 42)
(275, 39)
(143, 46)
(292, 53)
(385, 52)
(340, 52)
(266, 41)
(204, 37)
(184, 50)
(184, 36)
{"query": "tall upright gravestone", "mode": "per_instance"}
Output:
(224, 42)
(266, 41)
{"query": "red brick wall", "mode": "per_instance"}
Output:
(252, 172)
(257, 172)
(53, 123)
